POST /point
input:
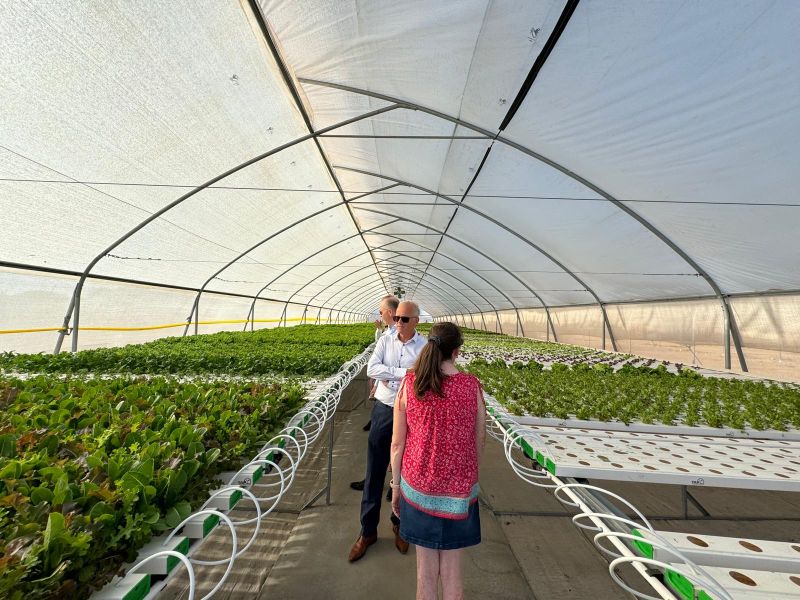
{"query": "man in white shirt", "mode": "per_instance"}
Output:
(394, 354)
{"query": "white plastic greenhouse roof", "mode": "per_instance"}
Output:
(482, 155)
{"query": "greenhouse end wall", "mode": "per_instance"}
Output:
(689, 332)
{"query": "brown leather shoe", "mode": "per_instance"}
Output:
(359, 549)
(399, 543)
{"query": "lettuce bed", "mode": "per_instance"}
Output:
(308, 350)
(91, 468)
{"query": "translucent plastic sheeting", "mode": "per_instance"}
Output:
(652, 158)
(672, 103)
(30, 300)
(688, 332)
(465, 57)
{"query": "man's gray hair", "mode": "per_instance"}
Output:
(414, 304)
(390, 301)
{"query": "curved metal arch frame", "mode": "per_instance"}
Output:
(196, 305)
(396, 253)
(336, 266)
(505, 228)
(481, 277)
(393, 263)
(399, 239)
(479, 252)
(441, 289)
(458, 279)
(73, 310)
(466, 267)
(356, 295)
(251, 314)
(731, 329)
(349, 291)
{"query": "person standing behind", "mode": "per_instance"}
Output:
(394, 354)
(386, 309)
(439, 434)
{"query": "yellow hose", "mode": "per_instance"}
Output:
(151, 327)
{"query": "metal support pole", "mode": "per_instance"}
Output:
(604, 333)
(727, 335)
(76, 318)
(330, 461)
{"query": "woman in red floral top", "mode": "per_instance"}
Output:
(439, 433)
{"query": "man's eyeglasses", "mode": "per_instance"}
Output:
(403, 318)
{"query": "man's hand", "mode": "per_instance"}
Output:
(378, 324)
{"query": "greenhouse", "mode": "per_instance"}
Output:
(208, 203)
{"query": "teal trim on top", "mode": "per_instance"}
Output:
(439, 505)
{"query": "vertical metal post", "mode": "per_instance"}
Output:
(76, 320)
(330, 460)
(604, 332)
(727, 341)
(197, 315)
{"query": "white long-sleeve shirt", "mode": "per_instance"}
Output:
(389, 362)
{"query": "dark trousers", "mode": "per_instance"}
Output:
(378, 447)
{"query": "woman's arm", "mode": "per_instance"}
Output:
(480, 426)
(399, 430)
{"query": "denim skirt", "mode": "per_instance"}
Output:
(437, 533)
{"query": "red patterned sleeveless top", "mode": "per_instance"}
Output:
(440, 464)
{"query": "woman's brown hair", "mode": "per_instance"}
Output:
(442, 341)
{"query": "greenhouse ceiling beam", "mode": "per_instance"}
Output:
(436, 292)
(538, 63)
(142, 282)
(421, 246)
(730, 330)
(502, 226)
(487, 257)
(461, 281)
(404, 137)
(196, 305)
(195, 312)
(478, 275)
(338, 265)
(484, 255)
(73, 310)
(433, 304)
(367, 298)
(295, 94)
(310, 256)
(443, 290)
(334, 267)
(464, 266)
(349, 288)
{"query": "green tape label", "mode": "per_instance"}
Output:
(209, 524)
(140, 590)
